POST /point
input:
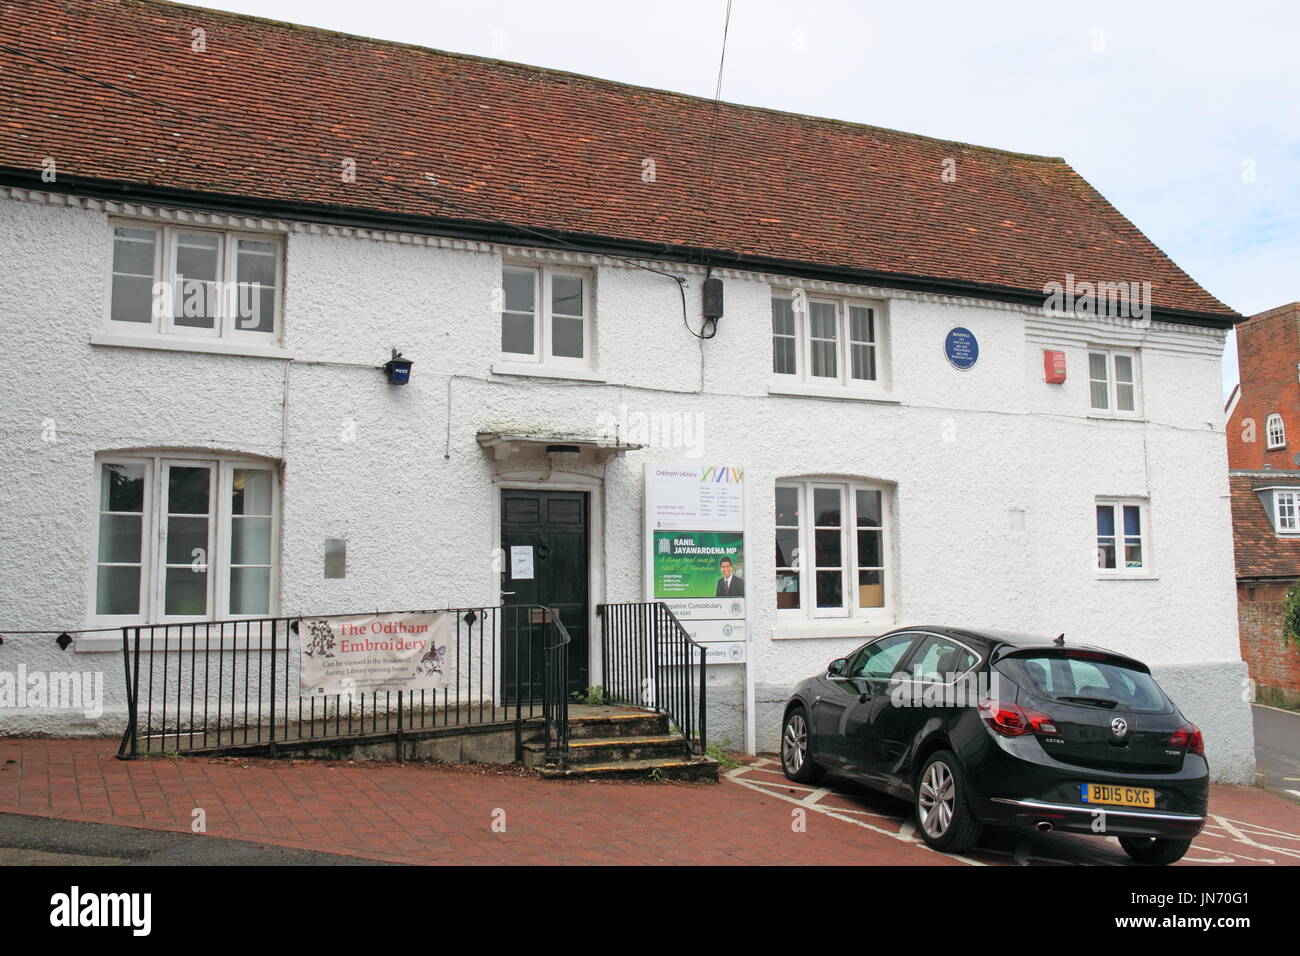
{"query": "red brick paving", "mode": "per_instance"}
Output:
(437, 815)
(426, 814)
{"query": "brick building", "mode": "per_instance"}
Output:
(1264, 461)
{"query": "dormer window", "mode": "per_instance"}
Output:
(1275, 431)
(1286, 511)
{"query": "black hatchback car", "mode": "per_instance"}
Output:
(980, 727)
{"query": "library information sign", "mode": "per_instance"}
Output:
(695, 550)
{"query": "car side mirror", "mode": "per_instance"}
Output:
(838, 667)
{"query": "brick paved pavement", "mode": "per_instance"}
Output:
(439, 815)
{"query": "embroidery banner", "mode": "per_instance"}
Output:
(374, 652)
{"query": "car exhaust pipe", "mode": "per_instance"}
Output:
(1043, 826)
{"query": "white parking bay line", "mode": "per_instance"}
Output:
(1258, 829)
(815, 796)
(736, 776)
(1239, 834)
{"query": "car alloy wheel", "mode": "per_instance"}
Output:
(943, 810)
(938, 798)
(797, 747)
(794, 744)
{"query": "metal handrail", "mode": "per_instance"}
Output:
(704, 660)
(555, 704)
(649, 661)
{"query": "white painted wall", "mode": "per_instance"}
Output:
(413, 493)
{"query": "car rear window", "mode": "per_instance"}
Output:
(1076, 680)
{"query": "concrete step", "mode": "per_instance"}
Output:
(589, 750)
(662, 768)
(630, 724)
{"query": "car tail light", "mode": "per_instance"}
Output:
(1189, 736)
(1011, 720)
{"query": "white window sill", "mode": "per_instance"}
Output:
(531, 370)
(176, 343)
(862, 628)
(100, 643)
(841, 392)
(1126, 576)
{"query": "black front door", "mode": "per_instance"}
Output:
(552, 528)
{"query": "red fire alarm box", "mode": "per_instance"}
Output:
(1053, 367)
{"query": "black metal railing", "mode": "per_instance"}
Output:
(555, 697)
(220, 684)
(650, 661)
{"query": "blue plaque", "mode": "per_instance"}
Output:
(962, 348)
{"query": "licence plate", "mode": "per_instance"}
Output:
(1118, 796)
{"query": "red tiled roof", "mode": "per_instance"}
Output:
(274, 109)
(1259, 551)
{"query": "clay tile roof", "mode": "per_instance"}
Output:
(270, 111)
(1259, 551)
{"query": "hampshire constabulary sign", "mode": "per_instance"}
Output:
(363, 653)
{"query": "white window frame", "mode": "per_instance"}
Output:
(147, 536)
(162, 512)
(1294, 496)
(543, 277)
(808, 609)
(154, 538)
(165, 249)
(1275, 419)
(1144, 537)
(843, 380)
(1112, 409)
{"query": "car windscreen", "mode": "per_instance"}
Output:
(1077, 680)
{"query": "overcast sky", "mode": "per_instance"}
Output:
(1186, 115)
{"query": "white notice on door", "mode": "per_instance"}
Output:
(521, 562)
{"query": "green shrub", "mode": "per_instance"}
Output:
(1291, 618)
(592, 696)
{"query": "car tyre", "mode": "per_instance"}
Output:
(943, 812)
(1153, 851)
(796, 748)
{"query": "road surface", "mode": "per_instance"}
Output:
(1277, 750)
